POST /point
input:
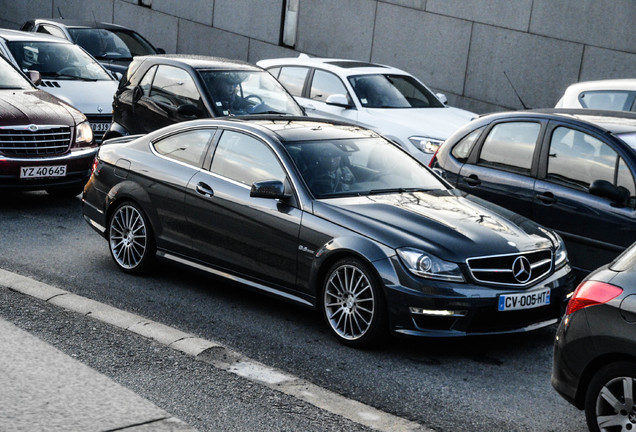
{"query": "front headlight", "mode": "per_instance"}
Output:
(560, 254)
(429, 266)
(83, 135)
(426, 144)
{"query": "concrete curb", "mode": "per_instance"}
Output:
(213, 353)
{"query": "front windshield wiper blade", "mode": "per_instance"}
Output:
(397, 190)
(59, 75)
(2, 87)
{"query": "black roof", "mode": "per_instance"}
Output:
(199, 61)
(612, 121)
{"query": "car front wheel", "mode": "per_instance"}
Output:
(353, 305)
(130, 238)
(609, 401)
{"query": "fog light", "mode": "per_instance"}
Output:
(438, 312)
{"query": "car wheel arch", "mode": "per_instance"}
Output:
(129, 191)
(593, 368)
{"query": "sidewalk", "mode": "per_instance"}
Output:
(43, 389)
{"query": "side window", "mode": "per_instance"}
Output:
(52, 30)
(146, 81)
(173, 86)
(510, 146)
(324, 84)
(463, 147)
(188, 147)
(245, 159)
(577, 158)
(293, 78)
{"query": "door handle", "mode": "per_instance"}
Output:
(472, 180)
(205, 190)
(546, 198)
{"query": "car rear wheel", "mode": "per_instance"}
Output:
(130, 238)
(609, 401)
(353, 305)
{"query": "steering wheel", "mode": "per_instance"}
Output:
(255, 97)
(68, 70)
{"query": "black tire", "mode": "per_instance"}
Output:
(352, 304)
(609, 400)
(130, 239)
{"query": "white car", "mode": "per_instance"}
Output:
(614, 94)
(383, 98)
(67, 71)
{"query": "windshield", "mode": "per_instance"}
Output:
(11, 78)
(392, 91)
(364, 166)
(57, 60)
(248, 92)
(111, 44)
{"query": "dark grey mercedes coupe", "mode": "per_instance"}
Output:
(331, 216)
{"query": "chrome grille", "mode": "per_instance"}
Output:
(515, 269)
(31, 140)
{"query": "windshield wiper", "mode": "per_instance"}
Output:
(59, 75)
(396, 190)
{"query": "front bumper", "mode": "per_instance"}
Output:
(420, 307)
(78, 169)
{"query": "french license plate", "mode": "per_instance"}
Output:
(526, 300)
(43, 171)
(100, 127)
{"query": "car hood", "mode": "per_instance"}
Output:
(86, 96)
(24, 107)
(437, 123)
(446, 223)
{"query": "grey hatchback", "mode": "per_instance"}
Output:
(570, 170)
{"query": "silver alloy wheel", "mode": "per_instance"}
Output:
(128, 236)
(349, 302)
(615, 409)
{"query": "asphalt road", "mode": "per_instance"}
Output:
(479, 384)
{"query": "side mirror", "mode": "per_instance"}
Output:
(35, 77)
(137, 94)
(338, 100)
(118, 75)
(273, 189)
(442, 98)
(188, 110)
(605, 189)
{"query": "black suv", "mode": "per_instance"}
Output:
(44, 142)
(166, 89)
(570, 170)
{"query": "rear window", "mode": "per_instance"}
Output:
(625, 261)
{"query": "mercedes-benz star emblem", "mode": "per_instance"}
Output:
(521, 269)
(100, 109)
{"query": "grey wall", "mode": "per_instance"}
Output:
(462, 48)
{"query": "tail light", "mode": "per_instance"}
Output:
(590, 293)
(95, 163)
(433, 160)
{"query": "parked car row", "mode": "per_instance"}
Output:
(315, 177)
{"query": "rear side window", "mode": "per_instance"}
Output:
(187, 147)
(325, 84)
(293, 78)
(510, 146)
(462, 150)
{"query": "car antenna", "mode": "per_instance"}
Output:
(515, 90)
(94, 18)
(59, 12)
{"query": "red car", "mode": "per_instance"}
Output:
(45, 144)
